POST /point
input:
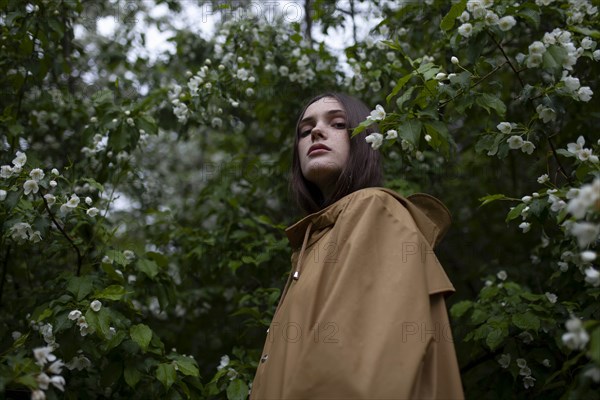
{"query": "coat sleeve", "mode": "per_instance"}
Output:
(382, 326)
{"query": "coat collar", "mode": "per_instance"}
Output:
(430, 214)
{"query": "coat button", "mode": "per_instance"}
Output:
(264, 358)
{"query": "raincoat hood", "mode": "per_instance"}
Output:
(431, 216)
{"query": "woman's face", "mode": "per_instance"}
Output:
(323, 143)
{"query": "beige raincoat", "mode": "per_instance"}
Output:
(363, 314)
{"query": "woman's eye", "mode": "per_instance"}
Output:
(340, 125)
(305, 132)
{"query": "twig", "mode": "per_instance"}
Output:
(461, 92)
(64, 234)
(507, 59)
(554, 153)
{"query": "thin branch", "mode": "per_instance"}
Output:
(60, 228)
(554, 153)
(507, 59)
(461, 92)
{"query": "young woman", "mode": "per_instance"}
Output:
(362, 315)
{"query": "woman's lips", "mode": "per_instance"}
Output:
(318, 148)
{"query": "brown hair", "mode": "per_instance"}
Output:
(362, 170)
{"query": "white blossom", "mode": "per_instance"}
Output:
(534, 60)
(504, 360)
(515, 142)
(20, 160)
(2, 194)
(505, 127)
(537, 47)
(593, 373)
(587, 196)
(506, 23)
(50, 199)
(542, 179)
(55, 172)
(551, 297)
(454, 60)
(391, 134)
(528, 381)
(30, 186)
(58, 382)
(42, 380)
(376, 140)
(96, 305)
(571, 83)
(576, 337)
(588, 256)
(43, 355)
(378, 114)
(576, 147)
(21, 230)
(587, 43)
(546, 114)
(525, 226)
(128, 254)
(585, 93)
(224, 362)
(502, 275)
(38, 395)
(465, 29)
(52, 183)
(6, 171)
(55, 367)
(546, 363)
(36, 174)
(592, 276)
(585, 233)
(527, 147)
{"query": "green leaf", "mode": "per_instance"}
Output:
(398, 86)
(554, 57)
(148, 267)
(455, 11)
(490, 102)
(104, 96)
(99, 321)
(478, 317)
(495, 338)
(460, 308)
(113, 292)
(141, 334)
(80, 286)
(404, 97)
(187, 366)
(132, 376)
(411, 131)
(515, 212)
(166, 374)
(526, 321)
(237, 390)
(491, 197)
(117, 257)
(530, 15)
